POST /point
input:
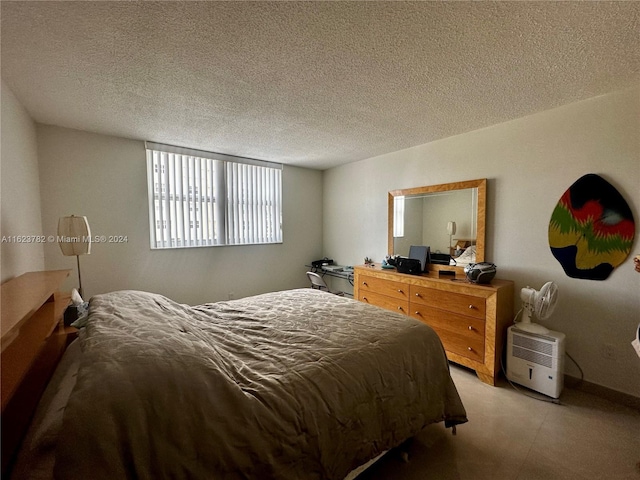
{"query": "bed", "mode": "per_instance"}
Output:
(286, 385)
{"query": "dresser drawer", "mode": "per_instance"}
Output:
(469, 327)
(382, 286)
(459, 334)
(384, 301)
(462, 345)
(450, 301)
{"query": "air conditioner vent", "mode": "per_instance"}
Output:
(533, 344)
(535, 357)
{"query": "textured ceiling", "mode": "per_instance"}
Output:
(314, 84)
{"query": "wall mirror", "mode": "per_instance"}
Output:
(441, 217)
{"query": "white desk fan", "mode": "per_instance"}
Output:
(539, 303)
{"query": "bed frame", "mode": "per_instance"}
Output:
(33, 340)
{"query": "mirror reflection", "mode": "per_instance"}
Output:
(448, 218)
(445, 221)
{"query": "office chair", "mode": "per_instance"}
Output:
(318, 283)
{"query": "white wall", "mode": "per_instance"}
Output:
(529, 163)
(104, 178)
(19, 189)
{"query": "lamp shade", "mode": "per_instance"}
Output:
(74, 235)
(451, 228)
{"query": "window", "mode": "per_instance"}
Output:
(200, 199)
(398, 216)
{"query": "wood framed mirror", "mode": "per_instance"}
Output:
(427, 215)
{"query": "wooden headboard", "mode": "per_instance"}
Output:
(33, 341)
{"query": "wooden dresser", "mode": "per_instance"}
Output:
(471, 320)
(33, 340)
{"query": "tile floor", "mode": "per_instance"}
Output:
(512, 436)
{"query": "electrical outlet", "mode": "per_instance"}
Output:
(608, 351)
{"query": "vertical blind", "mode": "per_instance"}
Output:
(199, 199)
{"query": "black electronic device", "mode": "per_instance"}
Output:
(408, 265)
(422, 253)
(440, 258)
(70, 315)
(322, 262)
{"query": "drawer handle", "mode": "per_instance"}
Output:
(364, 283)
(470, 349)
(418, 313)
(400, 291)
(471, 307)
(400, 308)
(418, 295)
(470, 327)
(365, 299)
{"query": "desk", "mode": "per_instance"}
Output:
(344, 274)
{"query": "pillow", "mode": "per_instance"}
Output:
(467, 257)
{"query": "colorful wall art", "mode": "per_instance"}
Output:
(591, 229)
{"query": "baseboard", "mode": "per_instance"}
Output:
(607, 393)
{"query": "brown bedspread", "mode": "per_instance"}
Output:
(287, 385)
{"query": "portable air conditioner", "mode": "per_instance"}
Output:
(536, 360)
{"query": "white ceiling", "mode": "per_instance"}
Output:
(314, 84)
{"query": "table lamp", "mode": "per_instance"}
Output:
(451, 230)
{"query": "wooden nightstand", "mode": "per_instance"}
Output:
(70, 332)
